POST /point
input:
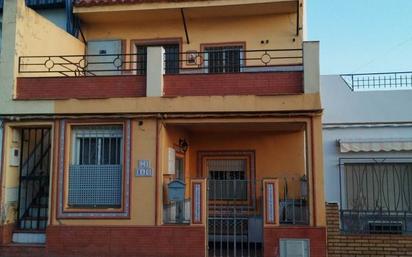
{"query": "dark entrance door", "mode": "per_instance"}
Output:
(34, 178)
(172, 60)
(235, 226)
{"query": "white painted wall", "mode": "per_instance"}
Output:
(1, 145)
(360, 115)
(341, 105)
(1, 29)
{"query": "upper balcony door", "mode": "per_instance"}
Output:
(222, 59)
(172, 60)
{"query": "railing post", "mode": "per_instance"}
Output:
(271, 202)
(155, 71)
(311, 69)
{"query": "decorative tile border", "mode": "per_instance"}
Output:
(124, 213)
(271, 202)
(198, 202)
(197, 209)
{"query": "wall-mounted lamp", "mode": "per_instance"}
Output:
(183, 145)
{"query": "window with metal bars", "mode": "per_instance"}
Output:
(95, 175)
(97, 146)
(222, 59)
(227, 179)
(376, 196)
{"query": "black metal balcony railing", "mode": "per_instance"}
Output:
(212, 61)
(83, 65)
(233, 59)
(376, 196)
(293, 206)
(378, 81)
(177, 212)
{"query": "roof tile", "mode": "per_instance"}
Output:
(116, 2)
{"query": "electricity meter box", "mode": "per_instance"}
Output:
(176, 190)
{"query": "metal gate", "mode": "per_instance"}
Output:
(33, 198)
(376, 195)
(235, 221)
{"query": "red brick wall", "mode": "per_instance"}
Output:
(317, 237)
(55, 88)
(23, 251)
(80, 87)
(341, 245)
(161, 241)
(268, 83)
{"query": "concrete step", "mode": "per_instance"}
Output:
(28, 237)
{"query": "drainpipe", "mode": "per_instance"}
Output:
(1, 145)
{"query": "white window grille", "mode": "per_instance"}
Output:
(95, 173)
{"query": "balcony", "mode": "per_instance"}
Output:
(222, 71)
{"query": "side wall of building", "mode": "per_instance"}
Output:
(27, 33)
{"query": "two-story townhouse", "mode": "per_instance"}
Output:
(368, 163)
(166, 128)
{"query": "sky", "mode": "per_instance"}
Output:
(358, 36)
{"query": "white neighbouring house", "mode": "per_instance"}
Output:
(367, 135)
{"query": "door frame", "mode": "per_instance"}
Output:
(51, 131)
(152, 42)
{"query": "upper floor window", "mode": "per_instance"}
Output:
(220, 59)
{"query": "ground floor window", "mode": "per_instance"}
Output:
(376, 196)
(95, 172)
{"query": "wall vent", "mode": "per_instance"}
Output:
(294, 248)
